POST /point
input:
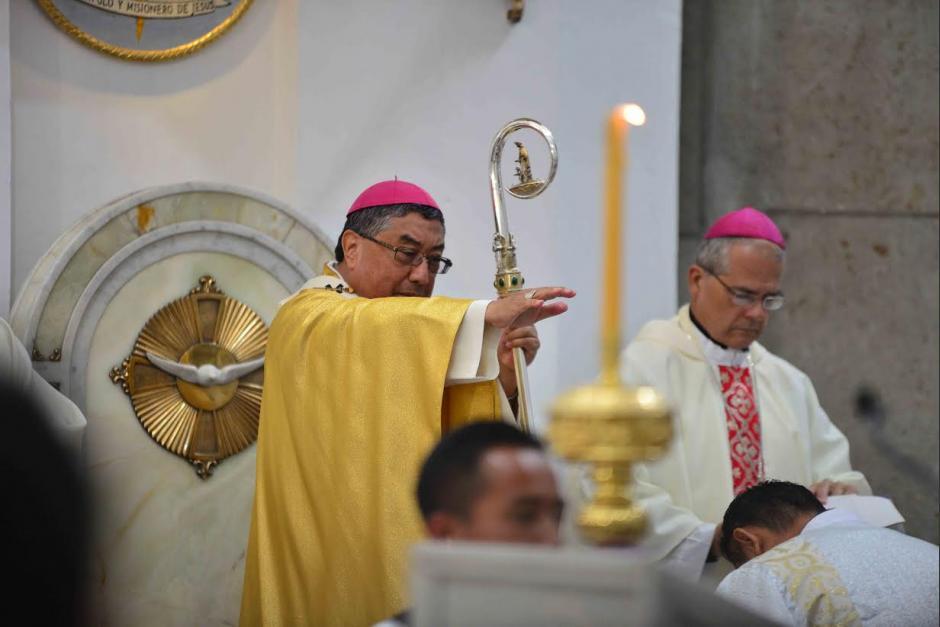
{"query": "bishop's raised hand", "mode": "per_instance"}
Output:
(523, 309)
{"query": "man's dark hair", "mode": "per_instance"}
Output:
(373, 220)
(449, 480)
(774, 505)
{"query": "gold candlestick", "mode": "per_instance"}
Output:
(607, 424)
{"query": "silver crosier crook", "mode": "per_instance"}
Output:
(508, 276)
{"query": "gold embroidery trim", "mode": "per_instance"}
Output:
(814, 585)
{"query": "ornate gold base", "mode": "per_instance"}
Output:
(611, 427)
(611, 518)
(606, 525)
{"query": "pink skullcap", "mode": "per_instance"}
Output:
(392, 193)
(746, 222)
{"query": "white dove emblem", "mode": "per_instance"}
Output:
(205, 375)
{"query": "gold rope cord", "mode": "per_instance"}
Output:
(130, 54)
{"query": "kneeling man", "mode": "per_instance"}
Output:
(801, 564)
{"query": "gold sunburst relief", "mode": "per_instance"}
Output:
(195, 376)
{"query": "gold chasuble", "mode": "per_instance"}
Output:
(354, 398)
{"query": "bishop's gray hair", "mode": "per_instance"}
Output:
(713, 253)
(373, 220)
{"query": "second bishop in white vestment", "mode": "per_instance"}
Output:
(740, 416)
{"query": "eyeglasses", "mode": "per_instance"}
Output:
(411, 257)
(771, 302)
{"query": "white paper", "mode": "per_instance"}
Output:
(875, 510)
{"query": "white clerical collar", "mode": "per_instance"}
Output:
(831, 517)
(718, 355)
(332, 265)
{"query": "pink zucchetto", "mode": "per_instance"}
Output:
(746, 222)
(392, 193)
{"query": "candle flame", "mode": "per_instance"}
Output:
(633, 114)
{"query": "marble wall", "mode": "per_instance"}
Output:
(169, 547)
(825, 114)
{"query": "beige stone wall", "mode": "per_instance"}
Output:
(825, 114)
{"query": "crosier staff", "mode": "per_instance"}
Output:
(508, 276)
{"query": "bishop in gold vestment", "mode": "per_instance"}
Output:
(363, 372)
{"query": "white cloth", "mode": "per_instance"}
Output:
(16, 369)
(473, 357)
(875, 510)
(687, 560)
(691, 485)
(842, 571)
